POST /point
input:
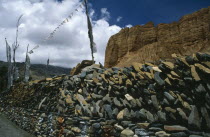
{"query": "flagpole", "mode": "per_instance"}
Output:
(46, 71)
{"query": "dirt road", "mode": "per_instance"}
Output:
(9, 129)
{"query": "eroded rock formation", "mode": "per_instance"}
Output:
(150, 43)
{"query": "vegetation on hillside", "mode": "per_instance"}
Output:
(3, 78)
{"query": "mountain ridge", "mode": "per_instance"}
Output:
(37, 71)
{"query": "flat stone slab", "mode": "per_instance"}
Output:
(9, 129)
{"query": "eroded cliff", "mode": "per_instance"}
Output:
(150, 43)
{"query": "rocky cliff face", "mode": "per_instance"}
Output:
(150, 43)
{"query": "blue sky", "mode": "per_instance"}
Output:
(136, 12)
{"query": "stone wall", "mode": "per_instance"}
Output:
(150, 43)
(171, 99)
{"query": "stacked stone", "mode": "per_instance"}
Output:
(171, 99)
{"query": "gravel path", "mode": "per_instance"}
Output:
(9, 129)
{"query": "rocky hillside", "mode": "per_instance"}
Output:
(150, 43)
(171, 99)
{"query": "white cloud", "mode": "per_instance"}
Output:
(105, 14)
(119, 18)
(129, 26)
(70, 44)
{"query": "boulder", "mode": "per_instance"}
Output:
(127, 133)
(194, 118)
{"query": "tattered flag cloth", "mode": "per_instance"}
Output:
(27, 63)
(27, 68)
(90, 31)
(10, 75)
(31, 51)
(16, 73)
(8, 49)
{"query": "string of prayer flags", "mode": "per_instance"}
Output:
(64, 21)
